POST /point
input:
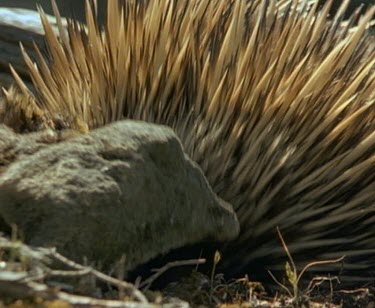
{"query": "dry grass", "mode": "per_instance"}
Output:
(275, 103)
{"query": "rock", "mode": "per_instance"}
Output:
(127, 188)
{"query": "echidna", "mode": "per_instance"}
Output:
(275, 102)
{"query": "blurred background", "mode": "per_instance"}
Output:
(70, 8)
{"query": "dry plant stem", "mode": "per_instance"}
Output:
(83, 301)
(280, 284)
(217, 258)
(85, 270)
(318, 263)
(26, 290)
(55, 273)
(317, 281)
(121, 275)
(286, 248)
(145, 285)
(360, 290)
(295, 285)
(299, 276)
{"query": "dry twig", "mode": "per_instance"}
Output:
(145, 285)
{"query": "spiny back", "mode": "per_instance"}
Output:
(274, 102)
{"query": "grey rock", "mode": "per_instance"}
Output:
(127, 188)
